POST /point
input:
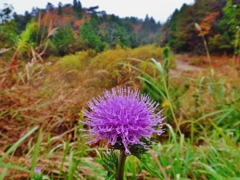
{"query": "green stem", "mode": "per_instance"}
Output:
(235, 47)
(170, 103)
(207, 51)
(121, 164)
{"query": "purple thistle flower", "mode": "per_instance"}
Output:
(123, 114)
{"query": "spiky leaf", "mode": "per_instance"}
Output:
(110, 163)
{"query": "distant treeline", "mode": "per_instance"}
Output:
(83, 28)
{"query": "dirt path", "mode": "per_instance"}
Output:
(183, 66)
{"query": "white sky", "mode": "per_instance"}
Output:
(160, 10)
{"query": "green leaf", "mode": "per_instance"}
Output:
(110, 163)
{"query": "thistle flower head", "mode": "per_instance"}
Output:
(125, 115)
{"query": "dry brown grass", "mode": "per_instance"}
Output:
(42, 95)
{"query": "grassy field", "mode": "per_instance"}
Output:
(41, 103)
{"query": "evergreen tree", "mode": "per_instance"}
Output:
(49, 7)
(173, 28)
(59, 8)
(79, 6)
(62, 40)
(230, 23)
(34, 12)
(148, 33)
(22, 20)
(75, 5)
(79, 10)
(7, 27)
(90, 37)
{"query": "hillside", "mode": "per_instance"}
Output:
(80, 28)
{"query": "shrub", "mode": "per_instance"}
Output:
(79, 60)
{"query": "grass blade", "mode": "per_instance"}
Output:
(13, 166)
(3, 174)
(36, 152)
(151, 170)
(226, 138)
(70, 167)
(14, 146)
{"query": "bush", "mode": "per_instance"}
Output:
(79, 60)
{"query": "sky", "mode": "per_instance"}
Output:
(160, 10)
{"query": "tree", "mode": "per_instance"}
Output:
(22, 20)
(34, 12)
(79, 10)
(7, 27)
(62, 40)
(59, 8)
(92, 9)
(148, 33)
(75, 5)
(232, 17)
(180, 32)
(172, 32)
(49, 7)
(79, 6)
(90, 37)
(146, 18)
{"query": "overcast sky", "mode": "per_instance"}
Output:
(160, 10)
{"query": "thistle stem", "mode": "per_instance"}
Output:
(121, 164)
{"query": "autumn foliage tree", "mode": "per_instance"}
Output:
(179, 31)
